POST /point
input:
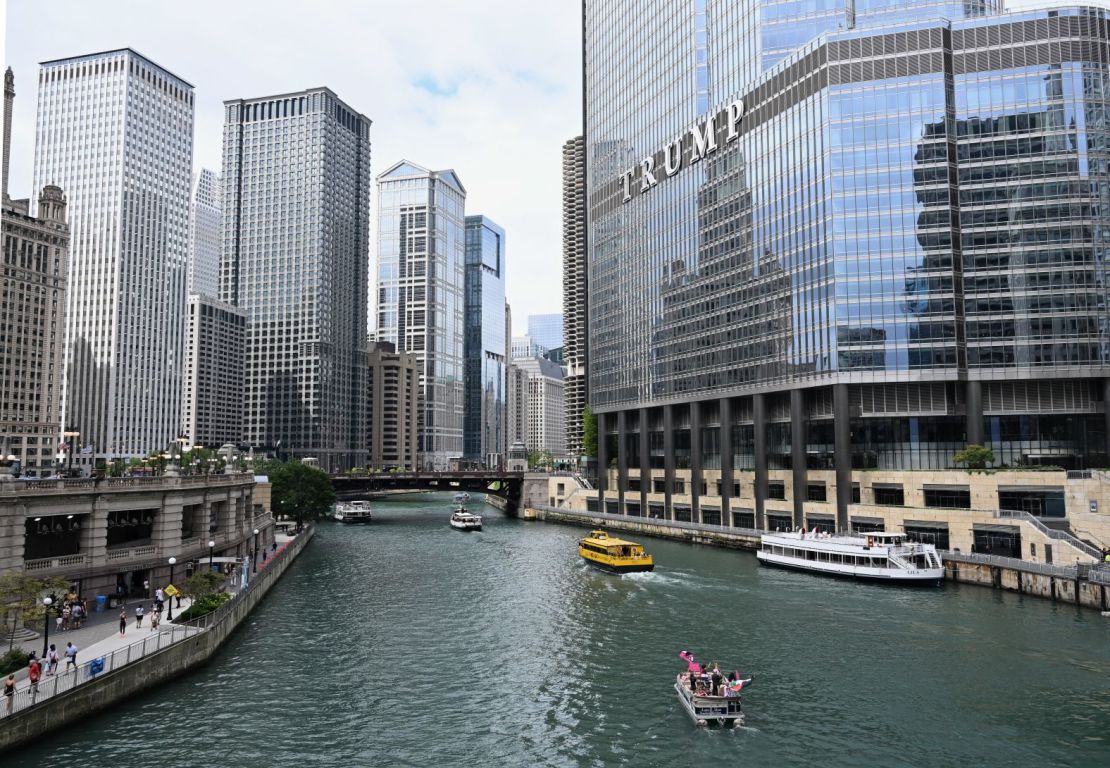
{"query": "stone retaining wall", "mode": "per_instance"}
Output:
(95, 695)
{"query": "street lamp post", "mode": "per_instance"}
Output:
(47, 602)
(169, 603)
(71, 436)
(211, 547)
(254, 568)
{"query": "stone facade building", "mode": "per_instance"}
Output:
(212, 407)
(393, 399)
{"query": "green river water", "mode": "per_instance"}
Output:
(407, 643)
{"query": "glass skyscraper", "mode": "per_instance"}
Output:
(296, 173)
(421, 267)
(546, 330)
(115, 131)
(205, 234)
(826, 245)
(484, 343)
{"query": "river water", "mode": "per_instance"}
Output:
(405, 642)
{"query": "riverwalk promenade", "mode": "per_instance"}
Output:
(102, 650)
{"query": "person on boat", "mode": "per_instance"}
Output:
(716, 677)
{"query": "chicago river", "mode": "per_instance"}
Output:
(407, 643)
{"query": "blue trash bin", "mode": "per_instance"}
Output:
(100, 601)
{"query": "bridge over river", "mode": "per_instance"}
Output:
(507, 485)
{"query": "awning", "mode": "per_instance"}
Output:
(925, 524)
(991, 528)
(869, 520)
(931, 487)
(819, 516)
(1030, 489)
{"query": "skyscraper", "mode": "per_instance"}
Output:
(212, 404)
(484, 343)
(812, 273)
(33, 300)
(205, 234)
(296, 174)
(546, 330)
(115, 131)
(393, 403)
(544, 408)
(575, 282)
(421, 266)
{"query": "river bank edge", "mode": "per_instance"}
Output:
(94, 696)
(1064, 584)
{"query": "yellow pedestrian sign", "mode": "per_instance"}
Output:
(172, 591)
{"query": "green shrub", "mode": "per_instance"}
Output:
(203, 605)
(13, 661)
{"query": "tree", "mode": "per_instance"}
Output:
(589, 432)
(301, 492)
(540, 459)
(202, 584)
(975, 456)
(20, 596)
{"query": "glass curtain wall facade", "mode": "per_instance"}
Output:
(296, 242)
(886, 246)
(546, 330)
(421, 269)
(484, 344)
(115, 131)
(205, 234)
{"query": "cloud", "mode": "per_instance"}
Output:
(489, 88)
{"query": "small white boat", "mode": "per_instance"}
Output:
(705, 709)
(462, 498)
(352, 512)
(877, 556)
(465, 521)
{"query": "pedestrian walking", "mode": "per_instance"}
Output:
(34, 672)
(66, 613)
(138, 616)
(52, 660)
(9, 691)
(155, 620)
(158, 595)
(71, 657)
(122, 622)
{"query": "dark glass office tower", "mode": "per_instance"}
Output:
(484, 379)
(849, 261)
(296, 175)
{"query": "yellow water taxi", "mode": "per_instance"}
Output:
(615, 555)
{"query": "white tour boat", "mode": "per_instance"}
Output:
(352, 512)
(878, 556)
(465, 521)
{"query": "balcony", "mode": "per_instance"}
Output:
(55, 563)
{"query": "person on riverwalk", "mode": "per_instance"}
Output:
(138, 616)
(34, 672)
(9, 691)
(66, 613)
(52, 660)
(155, 618)
(71, 657)
(122, 622)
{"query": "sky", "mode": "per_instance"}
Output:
(490, 88)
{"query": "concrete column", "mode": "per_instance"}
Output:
(622, 460)
(94, 532)
(668, 460)
(759, 417)
(167, 526)
(695, 462)
(974, 413)
(798, 454)
(726, 460)
(13, 533)
(645, 463)
(602, 459)
(842, 450)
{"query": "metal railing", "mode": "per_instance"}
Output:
(676, 524)
(1099, 574)
(1026, 566)
(70, 676)
(1051, 533)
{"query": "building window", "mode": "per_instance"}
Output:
(815, 492)
(890, 496)
(948, 498)
(776, 489)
